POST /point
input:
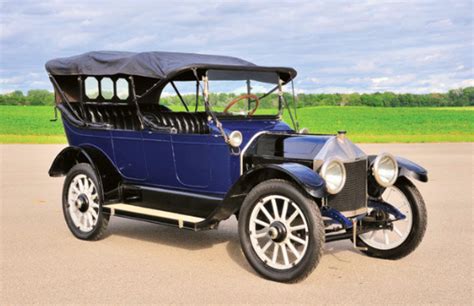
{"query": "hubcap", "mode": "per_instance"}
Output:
(83, 203)
(388, 239)
(278, 232)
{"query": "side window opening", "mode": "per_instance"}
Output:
(122, 89)
(170, 98)
(92, 87)
(107, 88)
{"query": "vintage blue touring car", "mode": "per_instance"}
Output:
(135, 153)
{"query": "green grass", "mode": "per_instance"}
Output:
(400, 124)
(30, 124)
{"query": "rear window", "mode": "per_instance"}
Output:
(106, 89)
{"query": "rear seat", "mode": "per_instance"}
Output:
(184, 122)
(124, 117)
(121, 117)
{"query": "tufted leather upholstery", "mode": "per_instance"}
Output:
(191, 123)
(124, 117)
(121, 117)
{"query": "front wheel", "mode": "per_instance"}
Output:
(406, 234)
(82, 205)
(281, 231)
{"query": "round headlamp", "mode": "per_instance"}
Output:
(235, 139)
(334, 173)
(385, 169)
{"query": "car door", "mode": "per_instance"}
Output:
(159, 158)
(192, 158)
(129, 154)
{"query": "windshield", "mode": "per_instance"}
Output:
(243, 93)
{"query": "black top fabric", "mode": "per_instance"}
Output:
(157, 65)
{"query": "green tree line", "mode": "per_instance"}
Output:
(454, 97)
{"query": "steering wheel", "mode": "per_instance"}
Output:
(246, 96)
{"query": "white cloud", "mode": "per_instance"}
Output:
(359, 46)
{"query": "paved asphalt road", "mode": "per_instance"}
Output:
(41, 262)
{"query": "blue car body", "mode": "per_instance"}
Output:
(195, 163)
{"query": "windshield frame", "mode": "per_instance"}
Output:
(282, 101)
(249, 76)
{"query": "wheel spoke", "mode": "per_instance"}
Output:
(297, 227)
(385, 235)
(292, 217)
(82, 222)
(285, 254)
(293, 249)
(262, 223)
(275, 209)
(297, 239)
(86, 185)
(396, 230)
(94, 214)
(260, 233)
(91, 186)
(267, 214)
(275, 253)
(94, 205)
(73, 214)
(74, 188)
(285, 209)
(89, 217)
(71, 201)
(80, 184)
(267, 245)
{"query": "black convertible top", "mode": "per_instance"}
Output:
(157, 65)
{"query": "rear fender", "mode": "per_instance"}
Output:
(67, 158)
(109, 177)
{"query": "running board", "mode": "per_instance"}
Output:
(153, 215)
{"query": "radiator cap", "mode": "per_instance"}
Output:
(341, 135)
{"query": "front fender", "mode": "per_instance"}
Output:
(407, 168)
(305, 177)
(309, 181)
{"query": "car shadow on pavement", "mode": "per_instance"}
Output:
(185, 239)
(195, 241)
(165, 235)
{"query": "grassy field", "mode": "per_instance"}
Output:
(31, 124)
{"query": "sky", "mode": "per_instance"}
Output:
(336, 46)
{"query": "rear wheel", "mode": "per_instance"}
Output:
(406, 234)
(82, 204)
(281, 231)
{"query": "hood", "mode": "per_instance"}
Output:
(315, 148)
